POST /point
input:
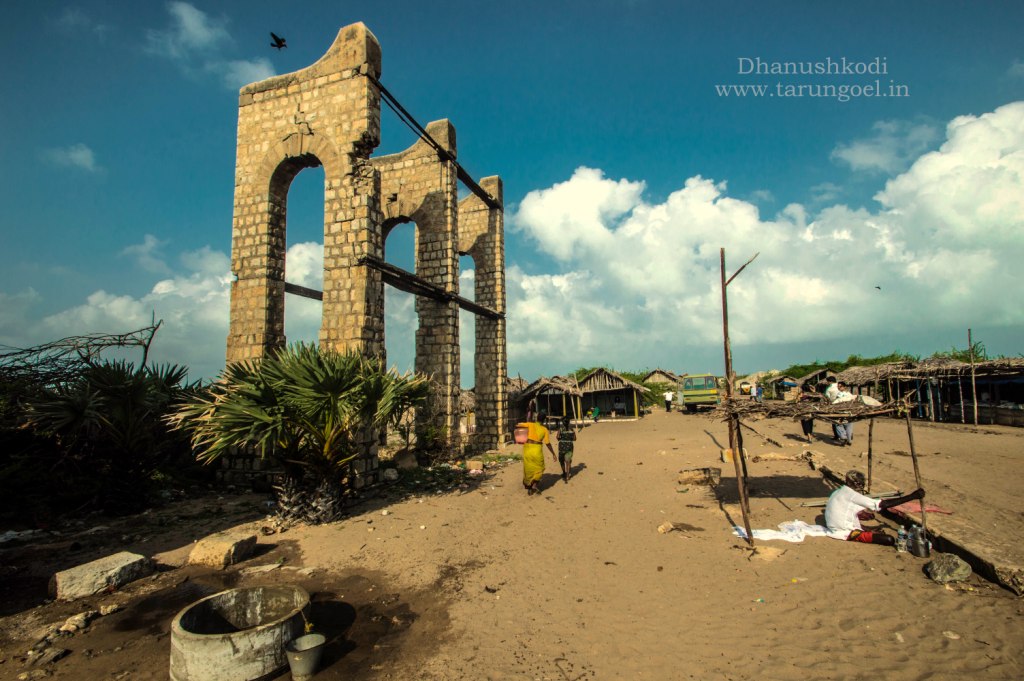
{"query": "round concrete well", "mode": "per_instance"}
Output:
(238, 634)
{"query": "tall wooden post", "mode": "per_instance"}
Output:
(737, 451)
(974, 386)
(871, 433)
(917, 472)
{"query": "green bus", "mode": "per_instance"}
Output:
(700, 390)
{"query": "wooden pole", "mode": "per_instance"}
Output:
(577, 406)
(741, 483)
(871, 433)
(974, 385)
(743, 463)
(960, 386)
(931, 400)
(917, 472)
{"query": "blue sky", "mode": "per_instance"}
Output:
(625, 170)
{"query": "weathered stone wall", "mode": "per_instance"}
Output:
(326, 114)
(329, 114)
(418, 186)
(482, 236)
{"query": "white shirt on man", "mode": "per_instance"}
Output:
(843, 506)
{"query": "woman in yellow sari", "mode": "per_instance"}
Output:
(533, 452)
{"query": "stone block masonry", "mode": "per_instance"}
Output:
(328, 114)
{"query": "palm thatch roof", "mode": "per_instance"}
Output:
(869, 374)
(943, 366)
(780, 377)
(816, 375)
(603, 380)
(554, 385)
(514, 386)
(931, 367)
(662, 376)
(843, 411)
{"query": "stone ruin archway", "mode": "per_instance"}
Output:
(329, 114)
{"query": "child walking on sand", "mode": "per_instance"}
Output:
(566, 444)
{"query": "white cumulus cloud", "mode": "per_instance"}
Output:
(75, 20)
(199, 44)
(890, 148)
(237, 73)
(640, 282)
(191, 30)
(75, 156)
(147, 254)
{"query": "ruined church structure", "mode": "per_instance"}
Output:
(328, 114)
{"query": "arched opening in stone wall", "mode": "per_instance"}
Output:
(467, 322)
(281, 273)
(467, 342)
(400, 319)
(304, 259)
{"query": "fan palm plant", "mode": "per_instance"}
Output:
(107, 430)
(313, 410)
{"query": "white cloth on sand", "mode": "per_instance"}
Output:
(792, 531)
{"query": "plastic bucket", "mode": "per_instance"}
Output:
(304, 655)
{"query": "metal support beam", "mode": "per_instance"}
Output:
(441, 151)
(410, 283)
(303, 291)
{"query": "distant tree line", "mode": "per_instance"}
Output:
(836, 365)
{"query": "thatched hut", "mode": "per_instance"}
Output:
(556, 397)
(782, 387)
(874, 380)
(612, 394)
(946, 389)
(662, 376)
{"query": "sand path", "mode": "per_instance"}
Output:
(484, 582)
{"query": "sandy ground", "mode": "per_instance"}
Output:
(484, 582)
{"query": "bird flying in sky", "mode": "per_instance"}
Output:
(279, 42)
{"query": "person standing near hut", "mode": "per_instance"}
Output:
(843, 430)
(566, 445)
(831, 390)
(533, 450)
(808, 394)
(668, 400)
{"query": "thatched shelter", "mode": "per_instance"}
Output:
(612, 394)
(782, 387)
(815, 377)
(947, 389)
(514, 386)
(662, 376)
(943, 389)
(556, 397)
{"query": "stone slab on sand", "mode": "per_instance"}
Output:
(223, 549)
(99, 575)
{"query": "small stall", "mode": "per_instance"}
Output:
(557, 397)
(611, 394)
